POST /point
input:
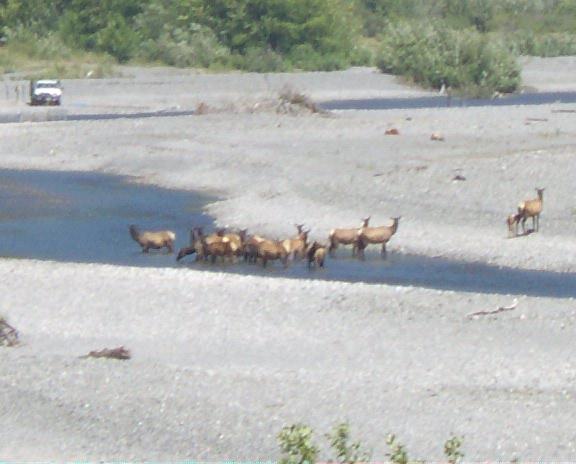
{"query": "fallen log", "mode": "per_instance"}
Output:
(113, 353)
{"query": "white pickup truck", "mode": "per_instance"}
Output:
(45, 92)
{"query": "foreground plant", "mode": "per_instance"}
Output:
(397, 453)
(346, 452)
(296, 445)
(452, 450)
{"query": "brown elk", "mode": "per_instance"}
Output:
(237, 239)
(316, 255)
(532, 208)
(346, 237)
(250, 247)
(296, 246)
(153, 239)
(377, 235)
(512, 223)
(271, 250)
(208, 246)
(195, 246)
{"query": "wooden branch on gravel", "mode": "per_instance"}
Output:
(114, 353)
(8, 334)
(499, 309)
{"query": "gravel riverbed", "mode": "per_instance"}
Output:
(222, 362)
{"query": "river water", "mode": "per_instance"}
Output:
(84, 217)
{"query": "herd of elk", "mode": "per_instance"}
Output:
(231, 244)
(228, 245)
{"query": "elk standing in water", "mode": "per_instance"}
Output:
(195, 246)
(250, 248)
(316, 255)
(377, 235)
(296, 246)
(153, 239)
(208, 246)
(346, 237)
(271, 250)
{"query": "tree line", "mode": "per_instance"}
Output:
(283, 35)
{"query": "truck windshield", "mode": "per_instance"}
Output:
(46, 85)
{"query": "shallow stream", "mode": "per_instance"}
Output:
(84, 217)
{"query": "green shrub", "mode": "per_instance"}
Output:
(551, 44)
(117, 39)
(397, 453)
(434, 56)
(346, 452)
(194, 46)
(296, 445)
(452, 450)
(257, 59)
(23, 41)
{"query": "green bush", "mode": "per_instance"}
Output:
(257, 59)
(346, 452)
(23, 41)
(552, 44)
(453, 450)
(195, 46)
(304, 57)
(296, 445)
(434, 56)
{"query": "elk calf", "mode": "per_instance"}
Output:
(316, 255)
(512, 223)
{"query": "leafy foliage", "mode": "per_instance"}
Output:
(452, 450)
(346, 453)
(283, 35)
(434, 56)
(296, 445)
(397, 453)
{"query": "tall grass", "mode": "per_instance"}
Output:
(434, 56)
(550, 44)
(33, 55)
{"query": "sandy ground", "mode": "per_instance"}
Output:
(220, 362)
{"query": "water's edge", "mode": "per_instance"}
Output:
(83, 217)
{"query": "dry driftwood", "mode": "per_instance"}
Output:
(113, 353)
(499, 309)
(8, 334)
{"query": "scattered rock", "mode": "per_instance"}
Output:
(437, 137)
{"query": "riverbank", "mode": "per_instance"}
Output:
(222, 362)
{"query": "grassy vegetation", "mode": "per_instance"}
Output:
(32, 56)
(434, 56)
(298, 447)
(469, 45)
